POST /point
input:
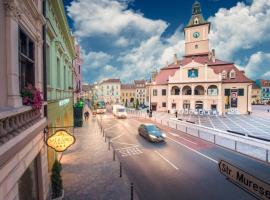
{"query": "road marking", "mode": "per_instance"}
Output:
(126, 148)
(176, 135)
(195, 151)
(133, 145)
(130, 151)
(167, 160)
(105, 129)
(116, 137)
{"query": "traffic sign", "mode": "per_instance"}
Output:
(248, 182)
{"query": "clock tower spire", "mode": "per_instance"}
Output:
(196, 33)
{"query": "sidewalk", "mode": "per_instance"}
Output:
(89, 172)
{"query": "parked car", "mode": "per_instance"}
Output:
(151, 132)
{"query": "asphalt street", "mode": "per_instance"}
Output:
(183, 167)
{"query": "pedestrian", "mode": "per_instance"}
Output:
(176, 114)
(268, 110)
(86, 115)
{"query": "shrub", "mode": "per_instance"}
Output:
(56, 179)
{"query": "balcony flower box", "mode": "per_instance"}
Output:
(31, 96)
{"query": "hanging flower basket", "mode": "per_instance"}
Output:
(31, 96)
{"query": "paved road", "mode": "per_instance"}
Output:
(184, 167)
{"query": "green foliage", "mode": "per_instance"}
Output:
(137, 104)
(56, 179)
(126, 104)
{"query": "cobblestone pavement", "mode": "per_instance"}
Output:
(89, 172)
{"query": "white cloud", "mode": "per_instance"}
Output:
(240, 27)
(93, 17)
(93, 60)
(258, 65)
(122, 42)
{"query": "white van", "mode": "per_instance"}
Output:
(119, 111)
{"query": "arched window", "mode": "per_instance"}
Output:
(232, 74)
(224, 74)
(187, 90)
(212, 90)
(199, 90)
(175, 90)
(196, 21)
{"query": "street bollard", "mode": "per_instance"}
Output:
(186, 129)
(198, 133)
(109, 145)
(131, 190)
(120, 169)
(103, 133)
(105, 139)
(113, 155)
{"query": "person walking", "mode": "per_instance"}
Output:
(86, 115)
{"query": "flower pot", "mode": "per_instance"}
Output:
(61, 197)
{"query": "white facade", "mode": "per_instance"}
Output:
(109, 91)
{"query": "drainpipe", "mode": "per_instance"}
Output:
(247, 97)
(44, 29)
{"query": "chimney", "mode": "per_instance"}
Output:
(209, 55)
(175, 59)
(213, 55)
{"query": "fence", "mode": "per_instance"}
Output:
(242, 144)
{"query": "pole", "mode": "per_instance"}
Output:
(113, 155)
(120, 169)
(131, 190)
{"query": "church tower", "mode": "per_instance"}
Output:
(196, 33)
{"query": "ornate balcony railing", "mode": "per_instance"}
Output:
(12, 123)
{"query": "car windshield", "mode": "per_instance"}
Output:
(121, 110)
(153, 129)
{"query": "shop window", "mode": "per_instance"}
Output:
(155, 92)
(163, 92)
(241, 92)
(26, 60)
(163, 104)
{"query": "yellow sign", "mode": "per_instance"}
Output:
(250, 183)
(60, 140)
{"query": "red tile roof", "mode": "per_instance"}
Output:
(264, 83)
(128, 86)
(112, 80)
(139, 81)
(218, 66)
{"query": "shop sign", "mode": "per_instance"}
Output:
(248, 182)
(234, 97)
(60, 140)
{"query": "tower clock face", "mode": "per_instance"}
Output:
(196, 34)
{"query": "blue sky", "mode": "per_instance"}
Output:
(128, 39)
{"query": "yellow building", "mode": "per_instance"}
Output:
(128, 93)
(200, 83)
(256, 94)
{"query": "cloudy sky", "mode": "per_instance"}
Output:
(128, 39)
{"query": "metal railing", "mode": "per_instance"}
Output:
(243, 144)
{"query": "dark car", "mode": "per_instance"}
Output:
(151, 132)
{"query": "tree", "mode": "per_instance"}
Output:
(137, 104)
(56, 179)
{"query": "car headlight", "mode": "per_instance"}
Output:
(163, 135)
(153, 137)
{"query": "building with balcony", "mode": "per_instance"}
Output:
(60, 54)
(264, 86)
(199, 82)
(23, 153)
(109, 90)
(256, 94)
(141, 91)
(128, 94)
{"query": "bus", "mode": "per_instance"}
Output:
(101, 107)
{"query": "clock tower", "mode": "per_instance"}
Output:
(196, 33)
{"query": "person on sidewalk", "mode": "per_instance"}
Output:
(86, 115)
